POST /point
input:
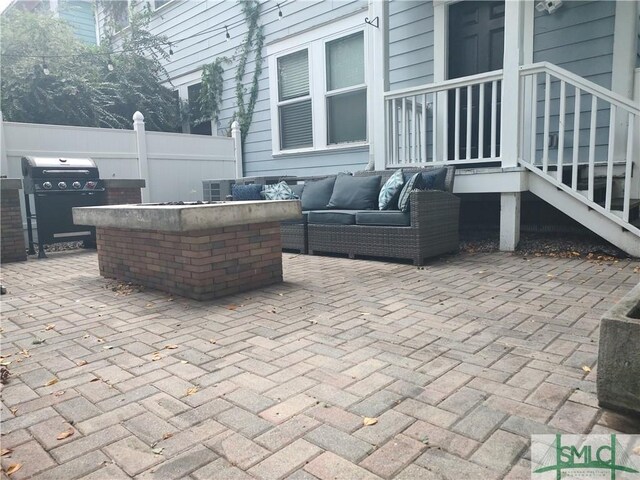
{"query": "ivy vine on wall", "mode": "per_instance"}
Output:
(210, 99)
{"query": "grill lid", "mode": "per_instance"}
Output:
(58, 167)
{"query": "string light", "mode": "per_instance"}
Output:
(110, 64)
(45, 67)
(209, 31)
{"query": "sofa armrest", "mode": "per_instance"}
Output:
(431, 208)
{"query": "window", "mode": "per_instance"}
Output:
(294, 101)
(346, 90)
(160, 3)
(195, 125)
(119, 12)
(318, 84)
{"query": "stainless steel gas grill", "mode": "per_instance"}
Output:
(58, 185)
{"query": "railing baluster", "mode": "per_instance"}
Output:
(413, 137)
(469, 111)
(445, 125)
(434, 129)
(394, 133)
(481, 121)
(534, 116)
(494, 124)
(576, 140)
(456, 138)
(563, 107)
(626, 201)
(592, 146)
(545, 135)
(610, 154)
(404, 130)
(423, 131)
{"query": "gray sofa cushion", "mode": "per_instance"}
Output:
(394, 218)
(334, 217)
(247, 192)
(304, 219)
(297, 189)
(355, 193)
(434, 179)
(316, 195)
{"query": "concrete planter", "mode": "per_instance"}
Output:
(619, 356)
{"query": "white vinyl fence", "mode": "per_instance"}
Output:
(173, 164)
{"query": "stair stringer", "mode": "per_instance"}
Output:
(625, 238)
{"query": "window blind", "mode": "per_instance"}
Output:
(293, 75)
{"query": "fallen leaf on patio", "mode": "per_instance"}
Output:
(107, 347)
(586, 369)
(192, 390)
(273, 311)
(5, 364)
(50, 326)
(66, 434)
(365, 313)
(636, 450)
(171, 347)
(86, 336)
(550, 275)
(53, 381)
(156, 356)
(81, 363)
(14, 468)
(167, 435)
(212, 340)
(6, 356)
(95, 380)
(183, 361)
(149, 305)
(37, 341)
(158, 450)
(170, 299)
(5, 451)
(231, 307)
(100, 340)
(367, 422)
(25, 353)
(13, 411)
(59, 393)
(281, 294)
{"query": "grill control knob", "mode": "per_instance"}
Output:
(62, 185)
(47, 185)
(76, 185)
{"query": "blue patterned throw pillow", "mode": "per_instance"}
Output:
(390, 191)
(279, 191)
(247, 192)
(414, 183)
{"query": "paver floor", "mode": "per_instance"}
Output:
(459, 362)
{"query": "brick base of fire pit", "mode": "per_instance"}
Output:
(186, 254)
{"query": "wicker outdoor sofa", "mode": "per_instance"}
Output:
(430, 229)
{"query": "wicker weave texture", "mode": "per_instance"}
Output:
(294, 236)
(433, 231)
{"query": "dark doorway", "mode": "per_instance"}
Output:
(476, 45)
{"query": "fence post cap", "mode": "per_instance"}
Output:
(235, 125)
(138, 117)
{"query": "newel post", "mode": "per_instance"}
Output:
(4, 163)
(236, 134)
(143, 161)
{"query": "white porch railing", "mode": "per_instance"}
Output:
(579, 136)
(421, 132)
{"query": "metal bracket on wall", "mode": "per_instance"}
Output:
(375, 22)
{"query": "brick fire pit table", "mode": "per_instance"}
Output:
(200, 251)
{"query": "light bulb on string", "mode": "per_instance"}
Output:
(227, 34)
(170, 49)
(279, 12)
(110, 64)
(45, 68)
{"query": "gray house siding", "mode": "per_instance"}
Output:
(181, 19)
(410, 43)
(80, 15)
(578, 37)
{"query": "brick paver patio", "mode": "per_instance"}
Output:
(459, 362)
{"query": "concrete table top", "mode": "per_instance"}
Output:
(183, 218)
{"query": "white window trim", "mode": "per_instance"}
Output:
(156, 8)
(314, 41)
